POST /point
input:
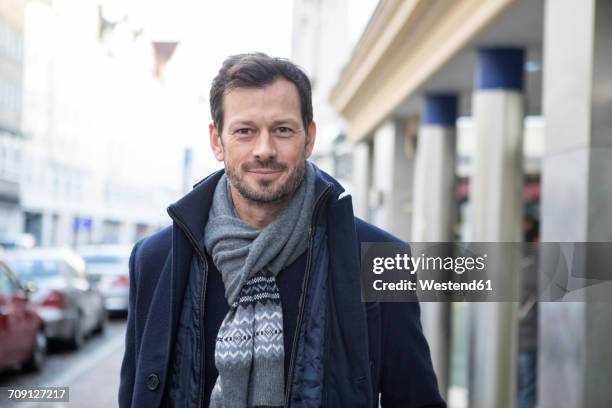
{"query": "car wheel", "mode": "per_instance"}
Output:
(39, 352)
(78, 334)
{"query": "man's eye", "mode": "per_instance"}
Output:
(284, 130)
(244, 131)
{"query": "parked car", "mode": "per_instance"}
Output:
(108, 270)
(69, 305)
(22, 338)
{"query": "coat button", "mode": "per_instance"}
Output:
(152, 382)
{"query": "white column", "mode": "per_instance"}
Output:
(127, 233)
(434, 213)
(574, 362)
(47, 229)
(97, 225)
(496, 204)
(434, 181)
(11, 218)
(65, 234)
(361, 179)
(392, 180)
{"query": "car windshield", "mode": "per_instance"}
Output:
(106, 263)
(32, 269)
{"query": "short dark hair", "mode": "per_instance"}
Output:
(257, 70)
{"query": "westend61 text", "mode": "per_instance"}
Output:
(430, 284)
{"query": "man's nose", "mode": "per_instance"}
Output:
(264, 147)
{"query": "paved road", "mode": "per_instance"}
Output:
(92, 373)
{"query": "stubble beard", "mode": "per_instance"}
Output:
(265, 194)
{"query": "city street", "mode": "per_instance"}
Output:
(477, 135)
(92, 373)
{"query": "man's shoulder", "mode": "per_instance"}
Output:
(153, 248)
(367, 232)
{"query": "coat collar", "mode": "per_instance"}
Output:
(191, 211)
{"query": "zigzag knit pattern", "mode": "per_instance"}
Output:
(251, 340)
(262, 335)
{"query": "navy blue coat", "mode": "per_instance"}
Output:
(348, 353)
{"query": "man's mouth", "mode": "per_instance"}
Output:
(264, 171)
(265, 174)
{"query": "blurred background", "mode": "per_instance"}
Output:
(464, 120)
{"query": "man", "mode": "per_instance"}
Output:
(252, 298)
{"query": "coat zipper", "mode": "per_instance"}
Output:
(202, 298)
(326, 351)
(202, 362)
(303, 299)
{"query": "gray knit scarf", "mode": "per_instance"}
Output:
(249, 351)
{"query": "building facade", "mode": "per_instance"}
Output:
(321, 45)
(101, 163)
(488, 103)
(11, 135)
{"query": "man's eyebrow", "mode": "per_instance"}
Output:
(285, 121)
(242, 123)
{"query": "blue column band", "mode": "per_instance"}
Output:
(440, 110)
(500, 68)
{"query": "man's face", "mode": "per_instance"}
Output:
(263, 141)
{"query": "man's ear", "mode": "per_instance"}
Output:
(311, 135)
(216, 144)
